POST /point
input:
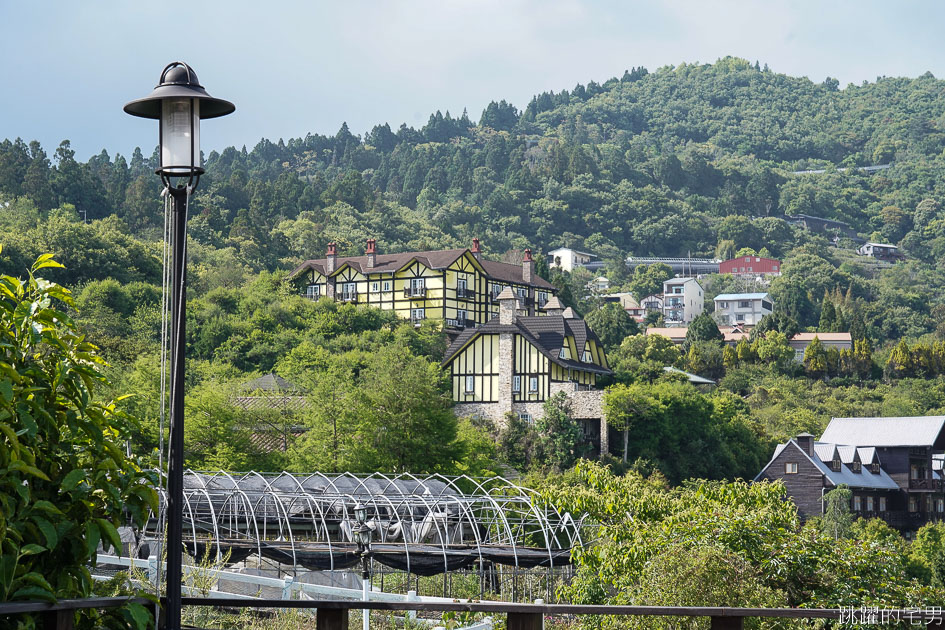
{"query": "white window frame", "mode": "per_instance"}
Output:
(416, 314)
(516, 384)
(857, 504)
(744, 304)
(532, 384)
(526, 417)
(869, 504)
(313, 291)
(386, 288)
(790, 468)
(586, 357)
(882, 504)
(469, 387)
(521, 292)
(562, 353)
(461, 314)
(375, 286)
(461, 284)
(349, 290)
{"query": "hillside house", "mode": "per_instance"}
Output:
(742, 308)
(457, 286)
(514, 363)
(881, 251)
(568, 259)
(683, 301)
(751, 266)
(892, 466)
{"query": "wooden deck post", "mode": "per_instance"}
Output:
(59, 620)
(524, 621)
(727, 623)
(331, 619)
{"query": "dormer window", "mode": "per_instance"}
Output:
(856, 467)
(562, 353)
(586, 357)
(874, 468)
(835, 465)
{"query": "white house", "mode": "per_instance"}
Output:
(881, 251)
(742, 308)
(629, 304)
(683, 301)
(568, 259)
(598, 284)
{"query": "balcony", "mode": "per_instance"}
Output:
(465, 294)
(925, 484)
(351, 296)
(415, 292)
(460, 323)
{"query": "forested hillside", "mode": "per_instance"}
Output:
(694, 159)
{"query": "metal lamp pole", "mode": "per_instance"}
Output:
(363, 536)
(179, 102)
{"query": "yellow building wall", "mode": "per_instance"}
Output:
(480, 359)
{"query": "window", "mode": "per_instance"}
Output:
(750, 269)
(525, 417)
(723, 304)
(856, 467)
(916, 472)
(461, 314)
(869, 504)
(882, 504)
(386, 286)
(940, 505)
(375, 287)
(913, 504)
(470, 384)
(835, 465)
(349, 291)
(417, 314)
(521, 291)
(586, 357)
(874, 468)
(516, 384)
(790, 468)
(774, 267)
(562, 353)
(757, 259)
(744, 304)
(533, 384)
(312, 291)
(417, 286)
(857, 504)
(461, 285)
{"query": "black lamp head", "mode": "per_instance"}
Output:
(178, 80)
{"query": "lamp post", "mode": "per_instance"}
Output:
(179, 102)
(362, 533)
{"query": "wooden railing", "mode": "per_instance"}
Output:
(333, 614)
(61, 615)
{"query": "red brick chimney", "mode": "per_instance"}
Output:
(476, 251)
(528, 266)
(371, 253)
(331, 258)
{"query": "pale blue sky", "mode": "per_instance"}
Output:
(293, 67)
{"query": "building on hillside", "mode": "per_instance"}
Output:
(683, 267)
(836, 340)
(751, 266)
(683, 301)
(456, 286)
(731, 335)
(742, 308)
(892, 466)
(598, 285)
(818, 225)
(652, 303)
(568, 259)
(514, 363)
(628, 303)
(881, 251)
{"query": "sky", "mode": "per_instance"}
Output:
(304, 66)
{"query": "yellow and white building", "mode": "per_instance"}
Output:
(456, 286)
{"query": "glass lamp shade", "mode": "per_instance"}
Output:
(364, 535)
(360, 513)
(180, 136)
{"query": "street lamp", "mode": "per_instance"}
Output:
(362, 535)
(179, 102)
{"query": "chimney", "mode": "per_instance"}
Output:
(806, 442)
(331, 259)
(508, 306)
(475, 249)
(528, 266)
(371, 253)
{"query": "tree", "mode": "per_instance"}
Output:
(649, 279)
(774, 349)
(703, 328)
(837, 520)
(66, 481)
(560, 437)
(612, 324)
(779, 321)
(815, 359)
(625, 406)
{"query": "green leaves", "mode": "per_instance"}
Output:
(64, 478)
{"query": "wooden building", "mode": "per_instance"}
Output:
(892, 465)
(456, 286)
(514, 363)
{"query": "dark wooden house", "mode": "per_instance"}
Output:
(893, 466)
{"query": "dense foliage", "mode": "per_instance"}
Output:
(66, 483)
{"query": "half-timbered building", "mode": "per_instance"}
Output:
(514, 363)
(456, 286)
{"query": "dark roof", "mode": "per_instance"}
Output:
(862, 479)
(270, 383)
(547, 333)
(390, 263)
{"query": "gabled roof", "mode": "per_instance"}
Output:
(270, 383)
(391, 263)
(547, 333)
(898, 431)
(863, 479)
